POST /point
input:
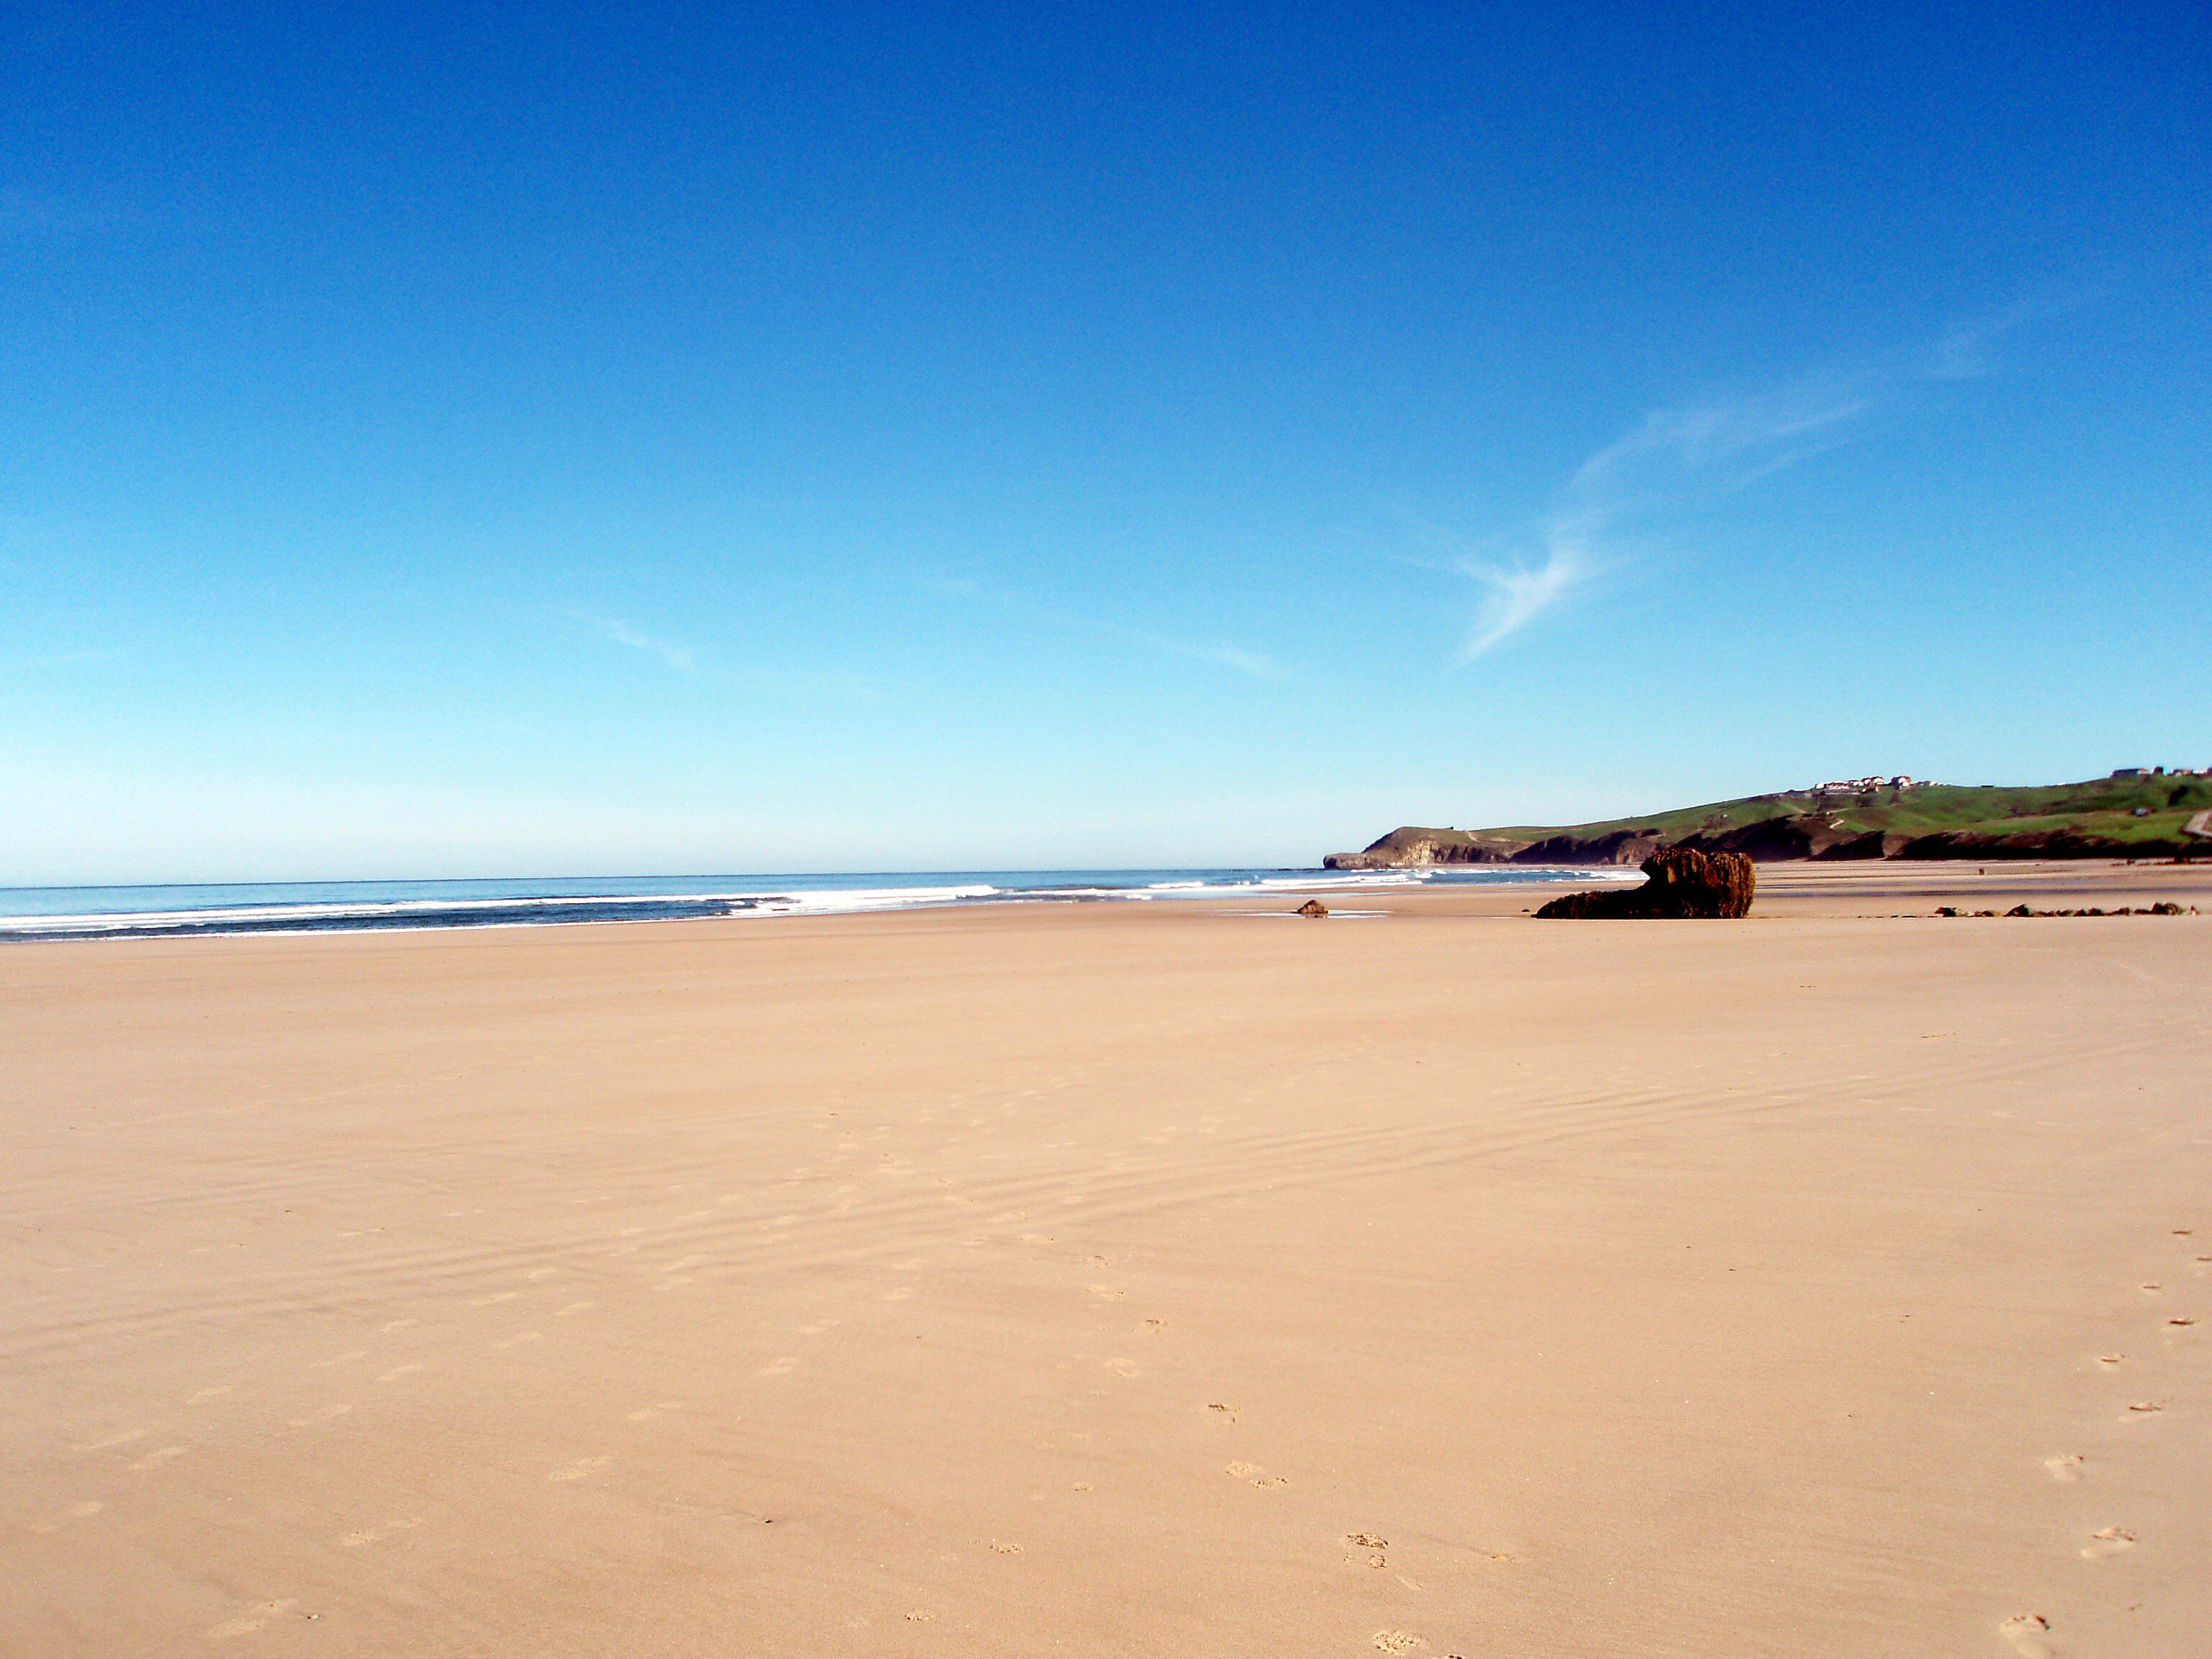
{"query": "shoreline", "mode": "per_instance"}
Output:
(1784, 888)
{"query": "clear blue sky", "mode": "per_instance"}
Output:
(456, 439)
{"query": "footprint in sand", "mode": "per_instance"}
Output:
(658, 1408)
(2110, 1362)
(2146, 1407)
(1397, 1641)
(2150, 1290)
(2108, 1543)
(398, 1325)
(2183, 1322)
(2067, 1468)
(582, 1469)
(2025, 1632)
(1124, 1368)
(1006, 1549)
(1107, 1293)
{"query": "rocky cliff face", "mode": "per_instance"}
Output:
(1410, 847)
(1621, 847)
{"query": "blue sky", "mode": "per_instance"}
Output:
(455, 439)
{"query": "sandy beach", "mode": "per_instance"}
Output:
(1124, 1280)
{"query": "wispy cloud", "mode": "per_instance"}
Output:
(1255, 662)
(1672, 459)
(1685, 459)
(1516, 595)
(816, 684)
(681, 658)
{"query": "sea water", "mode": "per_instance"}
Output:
(62, 913)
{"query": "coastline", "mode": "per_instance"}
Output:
(1121, 1278)
(35, 916)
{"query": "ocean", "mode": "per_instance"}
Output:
(29, 914)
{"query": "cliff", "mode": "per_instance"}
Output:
(2149, 816)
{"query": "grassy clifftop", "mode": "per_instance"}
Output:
(2106, 817)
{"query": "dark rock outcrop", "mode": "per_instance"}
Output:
(1313, 909)
(1683, 882)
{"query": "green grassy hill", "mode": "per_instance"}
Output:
(2107, 817)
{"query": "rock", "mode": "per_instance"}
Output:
(1313, 907)
(1683, 882)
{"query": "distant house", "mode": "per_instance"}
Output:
(1860, 785)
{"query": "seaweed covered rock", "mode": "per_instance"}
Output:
(1683, 882)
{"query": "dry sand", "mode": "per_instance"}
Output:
(1123, 1279)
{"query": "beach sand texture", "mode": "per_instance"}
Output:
(1120, 1279)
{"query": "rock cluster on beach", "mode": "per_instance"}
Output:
(2162, 909)
(1682, 882)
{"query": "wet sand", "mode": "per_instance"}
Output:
(1124, 1280)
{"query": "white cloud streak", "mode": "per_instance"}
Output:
(816, 685)
(681, 658)
(1255, 662)
(1673, 459)
(1677, 461)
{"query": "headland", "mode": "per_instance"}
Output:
(2137, 812)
